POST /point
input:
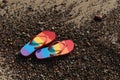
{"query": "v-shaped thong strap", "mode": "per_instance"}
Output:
(43, 43)
(64, 45)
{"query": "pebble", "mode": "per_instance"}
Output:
(83, 50)
(105, 70)
(99, 18)
(113, 42)
(23, 33)
(30, 8)
(53, 28)
(4, 1)
(39, 23)
(28, 35)
(85, 58)
(88, 32)
(88, 43)
(42, 28)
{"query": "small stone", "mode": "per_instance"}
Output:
(30, 8)
(98, 60)
(17, 52)
(88, 43)
(85, 58)
(39, 23)
(82, 34)
(113, 42)
(105, 70)
(76, 44)
(53, 28)
(23, 33)
(9, 39)
(11, 43)
(98, 18)
(88, 32)
(71, 62)
(4, 1)
(42, 28)
(83, 50)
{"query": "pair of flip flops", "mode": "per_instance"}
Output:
(38, 43)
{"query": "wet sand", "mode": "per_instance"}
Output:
(97, 44)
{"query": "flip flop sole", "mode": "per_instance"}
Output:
(46, 53)
(28, 49)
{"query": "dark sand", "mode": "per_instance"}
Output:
(97, 46)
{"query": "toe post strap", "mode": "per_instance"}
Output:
(59, 51)
(46, 38)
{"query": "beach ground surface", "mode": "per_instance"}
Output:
(96, 55)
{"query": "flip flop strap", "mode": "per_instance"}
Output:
(57, 42)
(39, 43)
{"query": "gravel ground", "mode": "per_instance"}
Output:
(96, 55)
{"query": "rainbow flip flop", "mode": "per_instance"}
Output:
(58, 49)
(37, 42)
